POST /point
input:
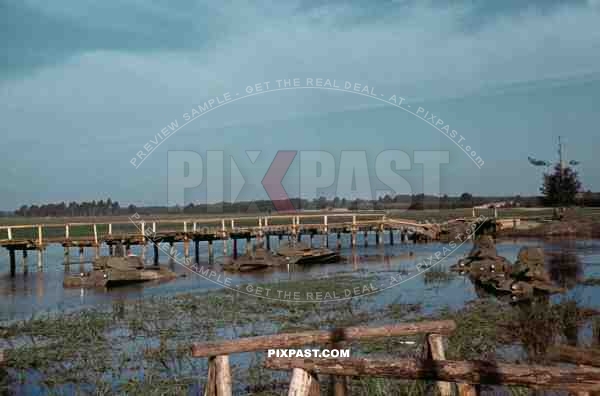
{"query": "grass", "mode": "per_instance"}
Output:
(142, 347)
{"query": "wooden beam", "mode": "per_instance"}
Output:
(262, 343)
(575, 355)
(473, 372)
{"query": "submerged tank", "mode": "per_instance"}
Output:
(116, 271)
(303, 254)
(261, 259)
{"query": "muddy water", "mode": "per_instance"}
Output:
(37, 286)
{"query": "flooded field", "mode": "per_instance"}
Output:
(136, 339)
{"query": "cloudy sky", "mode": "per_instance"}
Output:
(84, 85)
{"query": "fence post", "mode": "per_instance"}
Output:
(219, 377)
(95, 235)
(303, 383)
(436, 352)
(40, 235)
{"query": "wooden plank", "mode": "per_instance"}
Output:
(436, 352)
(262, 343)
(473, 372)
(303, 383)
(575, 355)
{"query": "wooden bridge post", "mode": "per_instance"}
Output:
(186, 246)
(224, 236)
(185, 227)
(40, 241)
(197, 250)
(248, 245)
(154, 228)
(366, 238)
(259, 240)
(39, 258)
(211, 254)
(391, 237)
(325, 242)
(66, 231)
(353, 239)
(234, 249)
(304, 383)
(95, 235)
(155, 245)
(9, 234)
(25, 267)
(110, 228)
(339, 241)
(13, 261)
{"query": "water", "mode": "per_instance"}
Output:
(39, 289)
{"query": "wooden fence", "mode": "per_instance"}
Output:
(466, 374)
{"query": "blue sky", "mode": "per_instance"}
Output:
(85, 84)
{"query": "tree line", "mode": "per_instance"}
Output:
(109, 207)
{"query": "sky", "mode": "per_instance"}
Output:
(85, 85)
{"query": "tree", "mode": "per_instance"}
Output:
(560, 187)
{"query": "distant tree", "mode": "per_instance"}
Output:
(560, 187)
(466, 197)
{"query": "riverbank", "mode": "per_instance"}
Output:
(574, 224)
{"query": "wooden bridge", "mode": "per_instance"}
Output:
(138, 230)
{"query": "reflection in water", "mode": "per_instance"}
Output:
(565, 268)
(536, 327)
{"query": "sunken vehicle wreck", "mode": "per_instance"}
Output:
(522, 280)
(290, 254)
(117, 271)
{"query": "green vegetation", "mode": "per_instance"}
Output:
(106, 350)
(561, 186)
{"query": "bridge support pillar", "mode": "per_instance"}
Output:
(248, 245)
(353, 239)
(186, 247)
(310, 243)
(40, 258)
(377, 238)
(268, 241)
(25, 266)
(111, 250)
(339, 241)
(391, 237)
(155, 246)
(197, 251)
(211, 253)
(13, 262)
(234, 250)
(366, 237)
(127, 249)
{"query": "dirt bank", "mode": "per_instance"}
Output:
(572, 225)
